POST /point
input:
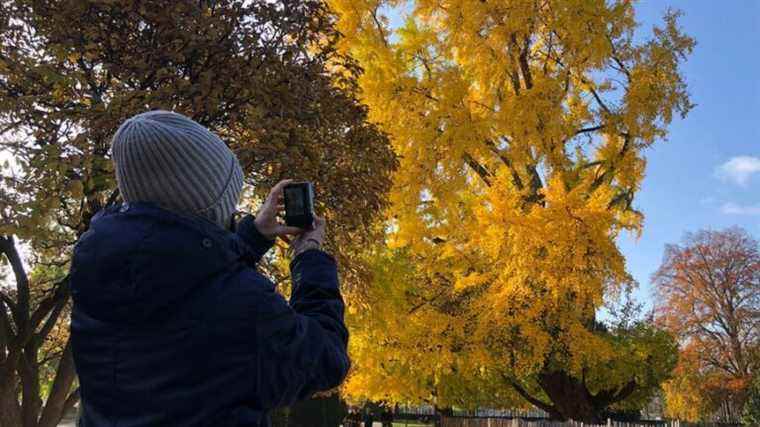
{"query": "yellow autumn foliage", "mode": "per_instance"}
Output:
(520, 128)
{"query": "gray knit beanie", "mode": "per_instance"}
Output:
(168, 159)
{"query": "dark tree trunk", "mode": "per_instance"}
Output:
(570, 397)
(30, 384)
(60, 400)
(441, 413)
(20, 401)
(17, 414)
(9, 406)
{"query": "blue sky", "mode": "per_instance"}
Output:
(707, 174)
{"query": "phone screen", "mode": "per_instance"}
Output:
(294, 196)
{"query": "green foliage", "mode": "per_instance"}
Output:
(648, 354)
(751, 413)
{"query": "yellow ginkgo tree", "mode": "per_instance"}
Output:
(521, 127)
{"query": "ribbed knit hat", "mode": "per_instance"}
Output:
(168, 159)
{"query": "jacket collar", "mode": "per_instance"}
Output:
(220, 237)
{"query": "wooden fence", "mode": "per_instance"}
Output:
(517, 422)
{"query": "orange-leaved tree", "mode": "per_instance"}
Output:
(521, 127)
(708, 295)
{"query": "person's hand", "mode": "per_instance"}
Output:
(310, 239)
(266, 220)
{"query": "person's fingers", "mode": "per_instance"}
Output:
(319, 222)
(268, 209)
(284, 229)
(277, 189)
(274, 196)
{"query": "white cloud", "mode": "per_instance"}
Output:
(734, 209)
(739, 169)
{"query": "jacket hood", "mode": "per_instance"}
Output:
(138, 259)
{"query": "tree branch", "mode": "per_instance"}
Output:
(21, 315)
(616, 58)
(71, 400)
(29, 374)
(535, 180)
(59, 392)
(534, 401)
(10, 303)
(53, 318)
(611, 170)
(481, 170)
(607, 397)
(6, 333)
(516, 180)
(591, 129)
(50, 303)
(379, 26)
(524, 66)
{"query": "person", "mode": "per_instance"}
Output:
(172, 325)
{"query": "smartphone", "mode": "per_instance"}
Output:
(299, 205)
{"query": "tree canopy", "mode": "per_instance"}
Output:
(521, 128)
(264, 75)
(708, 295)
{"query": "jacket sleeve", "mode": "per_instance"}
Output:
(259, 245)
(302, 344)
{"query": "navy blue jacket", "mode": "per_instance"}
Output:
(173, 326)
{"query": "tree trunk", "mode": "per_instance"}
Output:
(9, 405)
(61, 398)
(29, 372)
(9, 408)
(570, 397)
(440, 414)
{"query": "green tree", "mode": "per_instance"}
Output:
(264, 75)
(751, 414)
